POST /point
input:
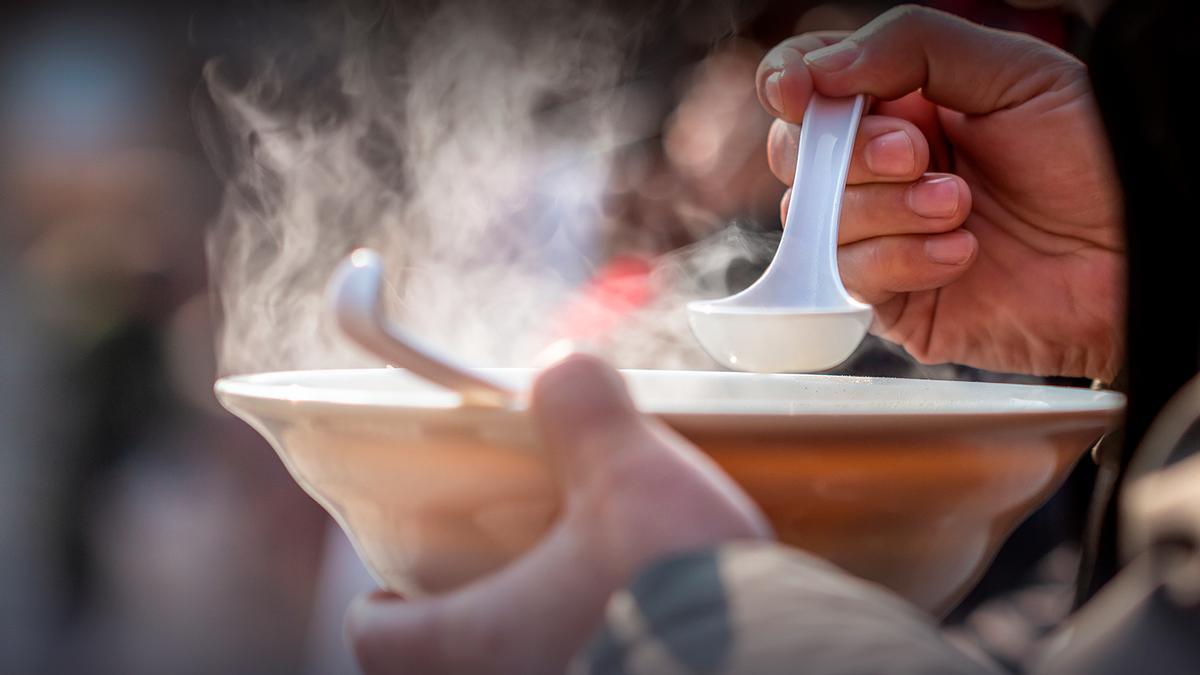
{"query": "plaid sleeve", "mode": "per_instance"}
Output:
(748, 608)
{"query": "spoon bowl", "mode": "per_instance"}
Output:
(766, 340)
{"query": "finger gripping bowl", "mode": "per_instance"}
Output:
(910, 483)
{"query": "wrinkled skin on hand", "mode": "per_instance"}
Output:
(982, 216)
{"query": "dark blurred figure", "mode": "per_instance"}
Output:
(144, 530)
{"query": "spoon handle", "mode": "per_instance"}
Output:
(808, 251)
(354, 296)
(406, 351)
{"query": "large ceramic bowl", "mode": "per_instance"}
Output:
(911, 483)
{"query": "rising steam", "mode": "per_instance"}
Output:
(475, 146)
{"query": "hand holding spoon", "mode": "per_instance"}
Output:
(798, 316)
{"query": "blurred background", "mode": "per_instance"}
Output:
(144, 530)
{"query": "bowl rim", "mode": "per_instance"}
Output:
(282, 387)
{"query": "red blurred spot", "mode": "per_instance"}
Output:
(618, 290)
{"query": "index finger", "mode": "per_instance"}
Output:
(783, 82)
(954, 63)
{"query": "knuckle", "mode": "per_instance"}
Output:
(877, 263)
(853, 209)
(906, 15)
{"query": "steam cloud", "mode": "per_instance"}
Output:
(474, 145)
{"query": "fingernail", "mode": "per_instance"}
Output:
(835, 57)
(555, 352)
(773, 91)
(933, 197)
(891, 154)
(954, 248)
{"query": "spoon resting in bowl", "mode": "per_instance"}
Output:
(354, 297)
(798, 316)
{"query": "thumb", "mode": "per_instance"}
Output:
(642, 469)
(584, 415)
(955, 63)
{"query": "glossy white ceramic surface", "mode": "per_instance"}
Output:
(911, 483)
(797, 317)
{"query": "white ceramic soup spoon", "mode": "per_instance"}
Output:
(354, 297)
(797, 317)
